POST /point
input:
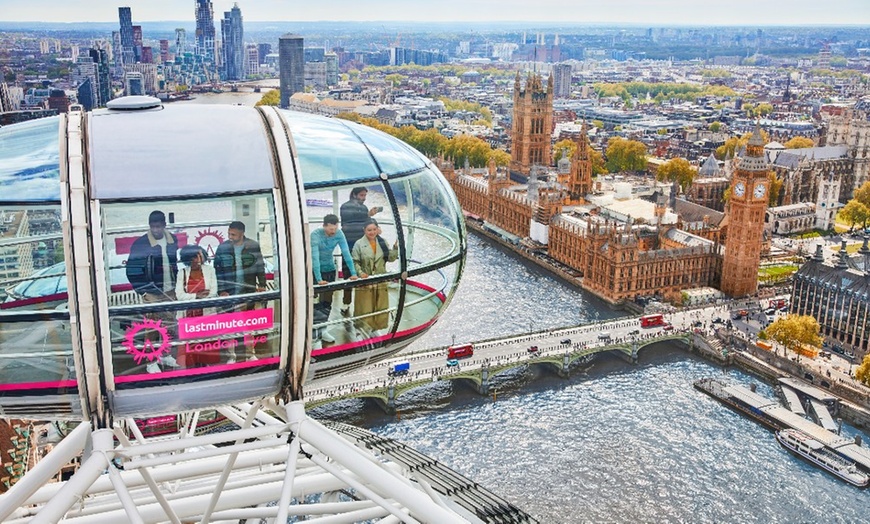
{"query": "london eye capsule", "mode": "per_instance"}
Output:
(157, 259)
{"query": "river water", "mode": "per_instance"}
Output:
(614, 442)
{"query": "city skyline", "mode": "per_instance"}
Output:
(643, 12)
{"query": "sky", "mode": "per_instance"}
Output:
(645, 12)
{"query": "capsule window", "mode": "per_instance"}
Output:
(192, 287)
(35, 342)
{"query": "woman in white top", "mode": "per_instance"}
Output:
(196, 279)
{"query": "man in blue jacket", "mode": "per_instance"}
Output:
(323, 242)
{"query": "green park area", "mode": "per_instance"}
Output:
(776, 273)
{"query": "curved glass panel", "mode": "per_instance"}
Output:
(393, 156)
(32, 271)
(36, 357)
(193, 289)
(427, 295)
(180, 150)
(327, 150)
(430, 218)
(37, 371)
(30, 161)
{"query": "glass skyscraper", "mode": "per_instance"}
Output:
(291, 66)
(126, 19)
(232, 34)
(205, 32)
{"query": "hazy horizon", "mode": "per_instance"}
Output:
(630, 12)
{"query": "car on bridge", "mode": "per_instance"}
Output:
(668, 327)
(566, 341)
(604, 335)
(634, 332)
(533, 349)
(718, 320)
(452, 362)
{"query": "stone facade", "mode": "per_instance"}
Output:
(747, 207)
(532, 123)
(793, 218)
(850, 127)
(838, 296)
(620, 262)
(802, 172)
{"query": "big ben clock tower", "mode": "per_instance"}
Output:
(747, 207)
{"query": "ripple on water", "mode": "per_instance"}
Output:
(638, 444)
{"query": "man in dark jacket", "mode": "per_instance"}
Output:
(152, 265)
(152, 268)
(354, 217)
(239, 268)
(238, 264)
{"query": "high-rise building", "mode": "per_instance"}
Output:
(180, 42)
(5, 98)
(74, 52)
(252, 60)
(164, 51)
(532, 123)
(746, 211)
(86, 94)
(137, 43)
(291, 66)
(83, 75)
(314, 54)
(133, 83)
(117, 54)
(233, 38)
(263, 50)
(126, 35)
(43, 46)
(315, 74)
(205, 32)
(149, 76)
(104, 81)
(146, 55)
(331, 69)
(562, 74)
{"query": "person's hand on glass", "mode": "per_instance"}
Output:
(363, 275)
(354, 277)
(322, 282)
(202, 294)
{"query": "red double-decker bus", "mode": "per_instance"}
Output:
(465, 350)
(652, 320)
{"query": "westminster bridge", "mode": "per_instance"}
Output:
(559, 350)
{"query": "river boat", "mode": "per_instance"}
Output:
(821, 456)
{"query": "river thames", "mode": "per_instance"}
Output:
(613, 443)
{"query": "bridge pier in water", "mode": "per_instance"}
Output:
(483, 388)
(565, 370)
(388, 404)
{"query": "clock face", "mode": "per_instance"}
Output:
(760, 190)
(739, 189)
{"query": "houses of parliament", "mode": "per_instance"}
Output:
(627, 241)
